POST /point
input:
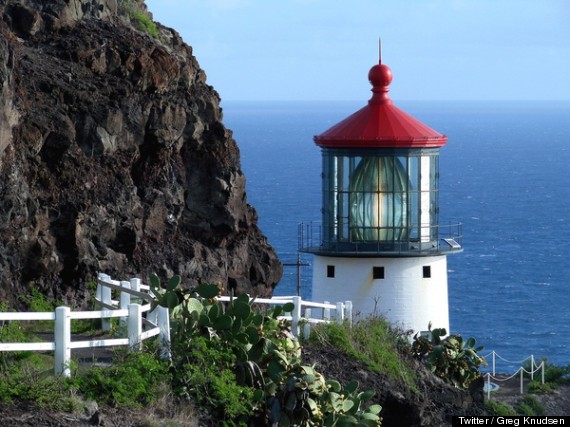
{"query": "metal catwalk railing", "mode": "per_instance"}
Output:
(313, 238)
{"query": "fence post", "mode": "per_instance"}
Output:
(62, 338)
(163, 323)
(296, 316)
(307, 325)
(542, 364)
(134, 327)
(532, 367)
(135, 284)
(124, 302)
(327, 312)
(348, 311)
(493, 362)
(152, 316)
(488, 386)
(105, 299)
(522, 375)
(99, 287)
(339, 312)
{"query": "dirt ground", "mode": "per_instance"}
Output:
(25, 414)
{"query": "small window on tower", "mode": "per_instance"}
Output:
(330, 270)
(427, 271)
(377, 272)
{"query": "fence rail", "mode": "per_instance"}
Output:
(534, 368)
(132, 306)
(303, 314)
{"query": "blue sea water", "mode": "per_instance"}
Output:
(504, 174)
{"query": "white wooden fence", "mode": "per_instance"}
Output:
(133, 299)
(302, 315)
(138, 328)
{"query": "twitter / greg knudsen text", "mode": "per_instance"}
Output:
(510, 421)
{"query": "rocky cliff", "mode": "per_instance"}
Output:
(114, 156)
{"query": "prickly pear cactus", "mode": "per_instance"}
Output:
(449, 357)
(267, 358)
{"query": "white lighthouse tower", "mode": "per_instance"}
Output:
(380, 244)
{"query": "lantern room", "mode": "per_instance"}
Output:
(380, 200)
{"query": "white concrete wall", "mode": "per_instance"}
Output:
(404, 296)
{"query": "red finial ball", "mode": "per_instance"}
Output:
(380, 75)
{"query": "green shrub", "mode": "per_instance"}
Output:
(143, 22)
(499, 409)
(204, 373)
(12, 331)
(31, 379)
(530, 406)
(86, 326)
(129, 382)
(537, 387)
(554, 375)
(37, 302)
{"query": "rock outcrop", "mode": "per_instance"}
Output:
(432, 404)
(114, 157)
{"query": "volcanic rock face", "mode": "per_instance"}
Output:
(114, 158)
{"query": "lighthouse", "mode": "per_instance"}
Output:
(380, 244)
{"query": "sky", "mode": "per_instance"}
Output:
(253, 50)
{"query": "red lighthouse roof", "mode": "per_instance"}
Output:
(380, 124)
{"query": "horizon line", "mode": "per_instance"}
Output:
(398, 100)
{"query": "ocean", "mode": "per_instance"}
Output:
(504, 174)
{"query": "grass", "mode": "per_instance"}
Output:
(554, 375)
(29, 377)
(206, 376)
(165, 412)
(373, 341)
(499, 409)
(37, 302)
(530, 406)
(139, 18)
(136, 380)
(130, 382)
(527, 406)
